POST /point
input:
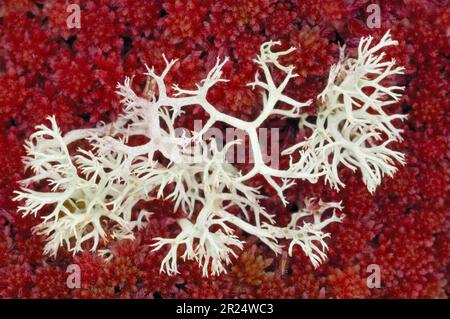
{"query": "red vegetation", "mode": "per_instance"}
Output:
(47, 68)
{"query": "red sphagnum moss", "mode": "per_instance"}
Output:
(47, 68)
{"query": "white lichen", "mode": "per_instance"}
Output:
(93, 191)
(83, 200)
(352, 127)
